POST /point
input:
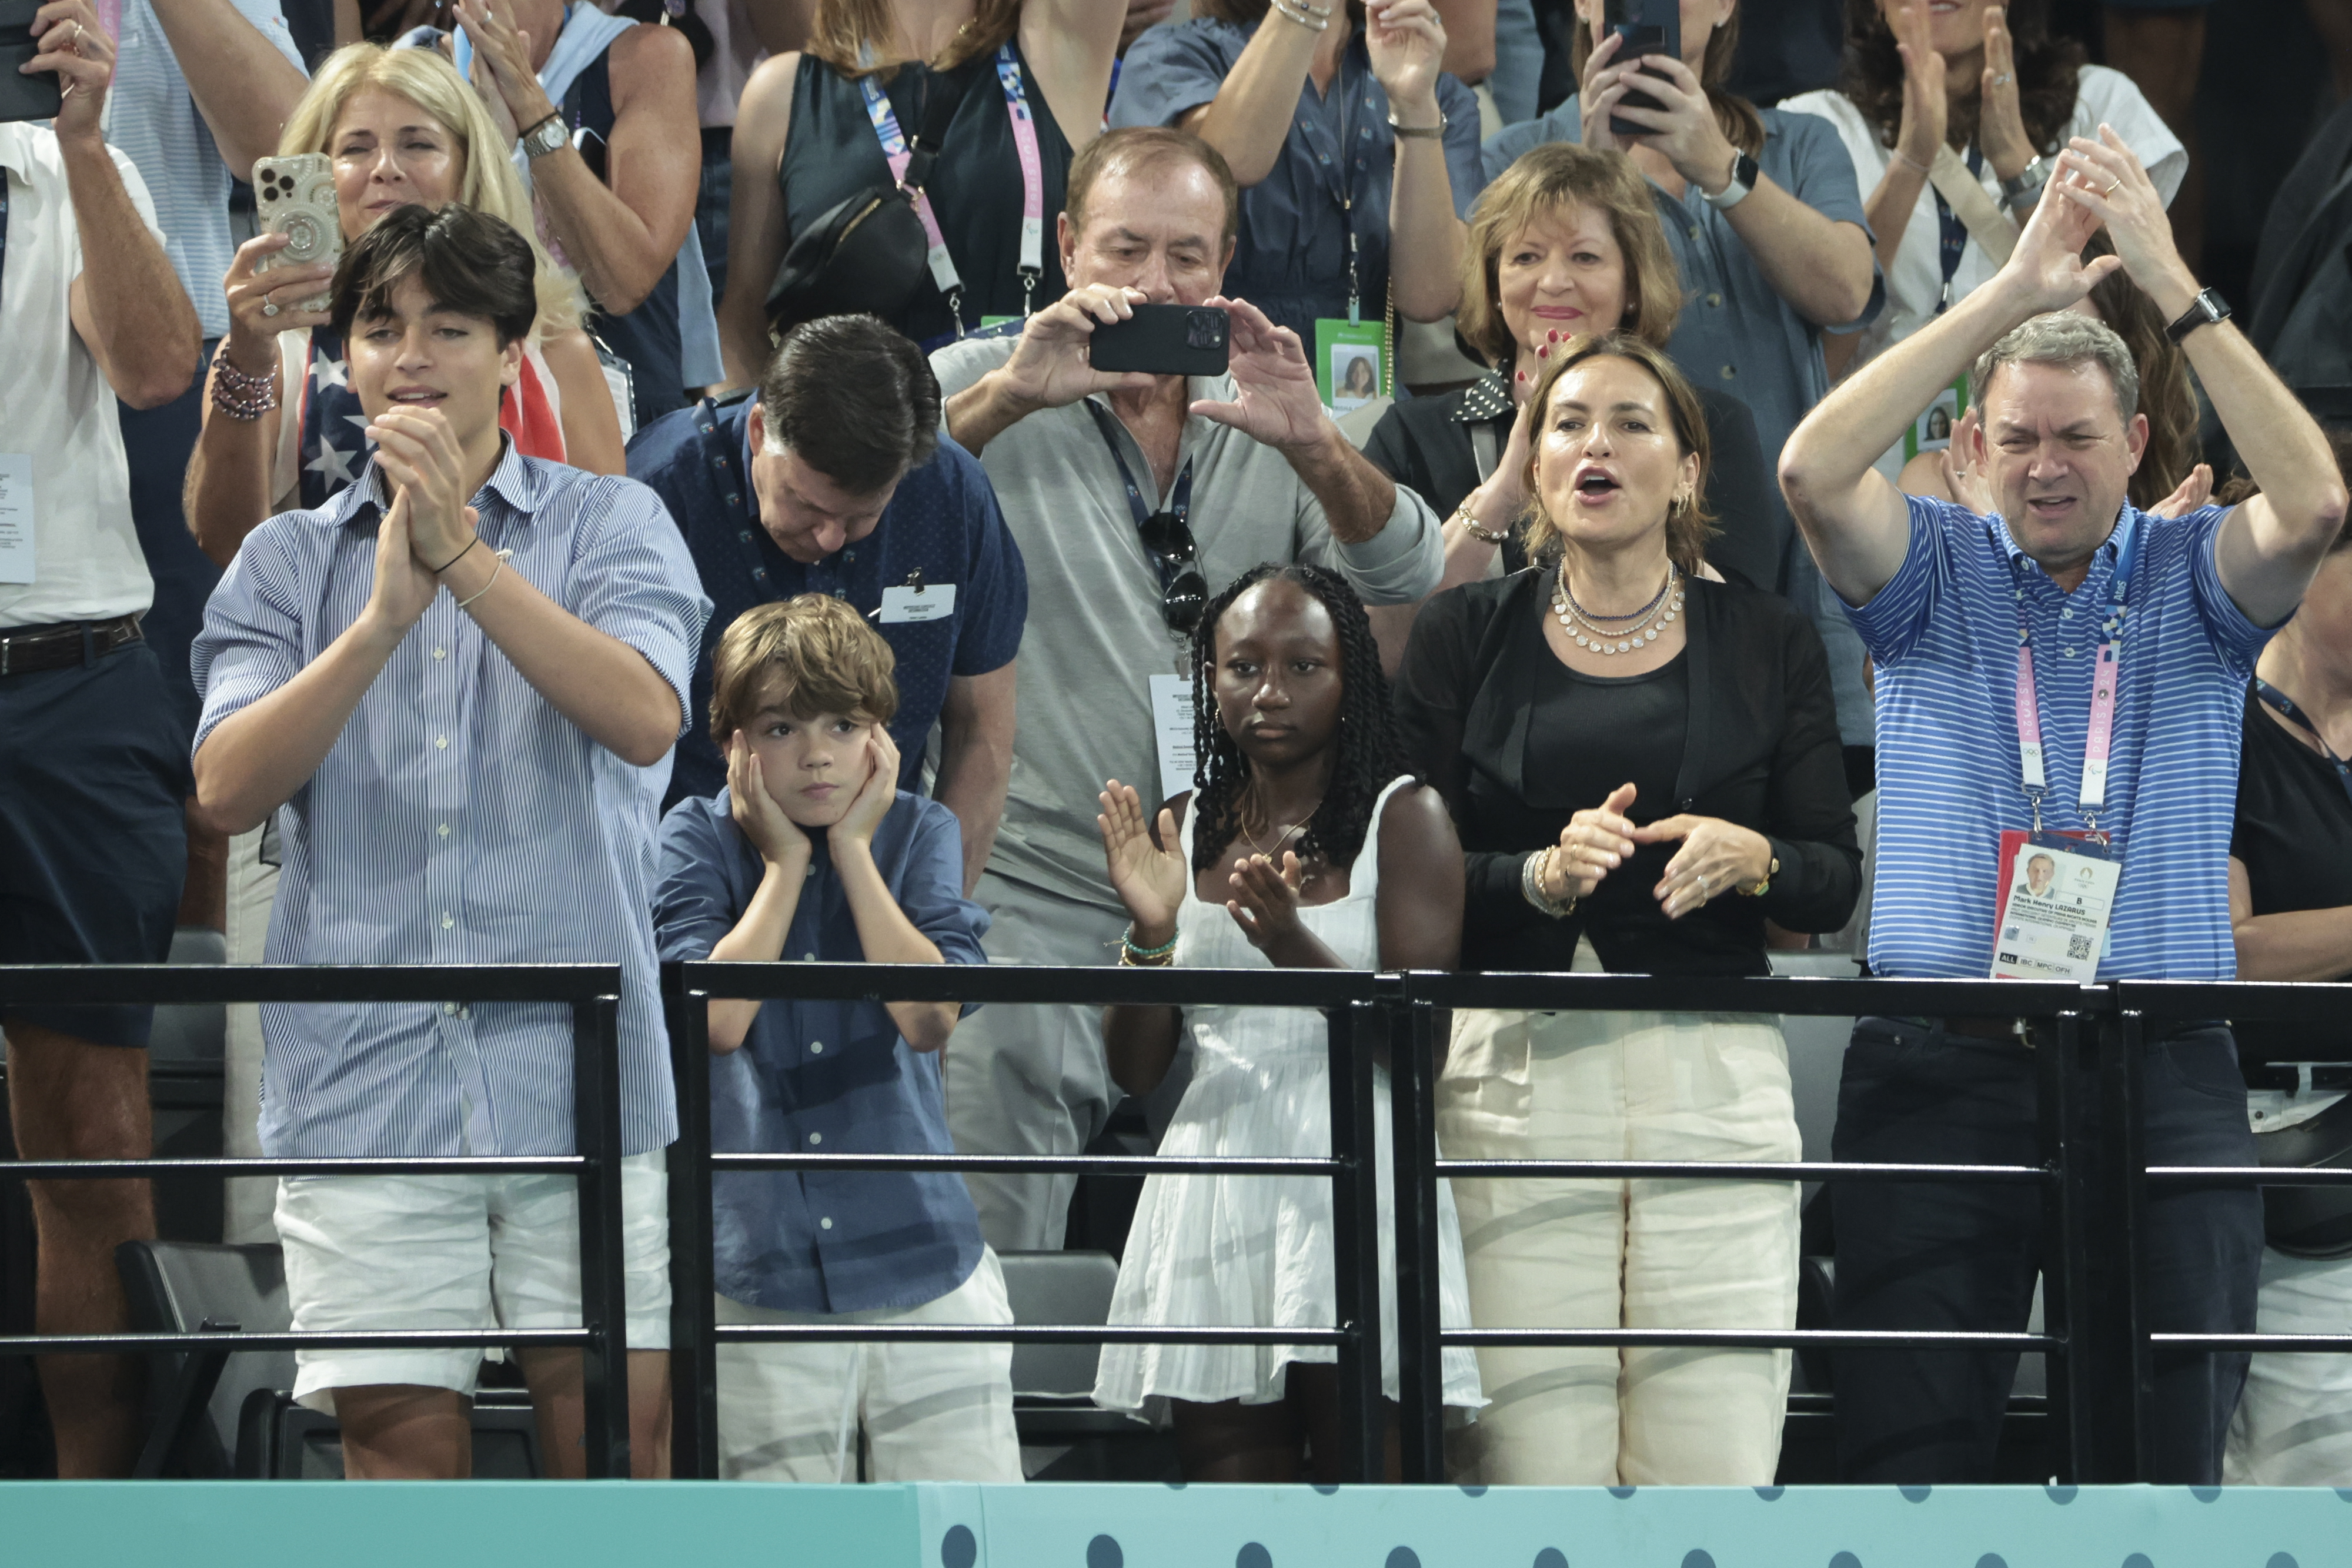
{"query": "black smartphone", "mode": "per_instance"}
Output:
(1648, 27)
(1165, 341)
(35, 97)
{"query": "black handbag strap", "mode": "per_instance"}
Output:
(941, 103)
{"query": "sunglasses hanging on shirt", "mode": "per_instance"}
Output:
(1183, 591)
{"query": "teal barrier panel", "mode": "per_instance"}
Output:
(485, 1524)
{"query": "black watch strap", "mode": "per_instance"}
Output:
(2203, 311)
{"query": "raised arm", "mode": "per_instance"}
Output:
(244, 85)
(2270, 546)
(126, 304)
(620, 232)
(231, 483)
(1149, 873)
(1407, 43)
(1856, 522)
(1250, 117)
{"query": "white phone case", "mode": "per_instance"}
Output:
(295, 196)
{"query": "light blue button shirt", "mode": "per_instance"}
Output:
(459, 819)
(151, 116)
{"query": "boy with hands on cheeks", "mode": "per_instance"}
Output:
(814, 852)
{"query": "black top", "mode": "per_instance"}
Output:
(648, 337)
(1643, 719)
(1424, 443)
(1759, 748)
(2293, 832)
(831, 153)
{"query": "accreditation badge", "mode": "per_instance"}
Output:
(2050, 909)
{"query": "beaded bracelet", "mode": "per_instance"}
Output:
(237, 394)
(1531, 872)
(1129, 950)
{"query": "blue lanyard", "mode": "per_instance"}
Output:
(1179, 498)
(1952, 233)
(2284, 706)
(4, 235)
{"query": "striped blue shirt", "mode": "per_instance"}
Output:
(459, 819)
(151, 116)
(1944, 634)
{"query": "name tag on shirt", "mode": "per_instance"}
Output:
(15, 516)
(2057, 894)
(932, 602)
(1172, 727)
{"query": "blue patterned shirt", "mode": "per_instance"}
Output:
(828, 1077)
(1944, 634)
(942, 524)
(459, 819)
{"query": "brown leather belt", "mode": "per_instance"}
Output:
(25, 649)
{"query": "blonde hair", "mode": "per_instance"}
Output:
(490, 183)
(810, 654)
(1542, 181)
(1688, 527)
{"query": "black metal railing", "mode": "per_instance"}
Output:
(2100, 1349)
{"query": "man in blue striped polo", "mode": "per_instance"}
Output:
(2067, 666)
(457, 684)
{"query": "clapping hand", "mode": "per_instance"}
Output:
(2192, 493)
(1925, 104)
(1275, 398)
(2000, 125)
(1265, 902)
(1147, 877)
(758, 818)
(404, 585)
(875, 797)
(1964, 476)
(503, 50)
(2104, 183)
(1595, 843)
(1716, 857)
(2047, 267)
(418, 450)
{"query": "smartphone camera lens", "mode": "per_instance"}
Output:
(1204, 329)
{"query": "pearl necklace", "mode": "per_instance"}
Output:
(1601, 639)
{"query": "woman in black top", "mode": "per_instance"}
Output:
(1565, 242)
(805, 141)
(2290, 908)
(1649, 759)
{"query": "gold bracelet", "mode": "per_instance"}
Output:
(1763, 883)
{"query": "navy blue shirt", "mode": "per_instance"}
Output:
(942, 522)
(828, 1077)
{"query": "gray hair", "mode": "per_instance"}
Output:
(2063, 337)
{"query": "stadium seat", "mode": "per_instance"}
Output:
(1064, 1435)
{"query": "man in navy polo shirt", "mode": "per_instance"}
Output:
(2065, 679)
(834, 477)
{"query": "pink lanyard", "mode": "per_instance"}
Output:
(2097, 745)
(1033, 183)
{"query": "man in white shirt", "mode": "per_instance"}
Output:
(94, 767)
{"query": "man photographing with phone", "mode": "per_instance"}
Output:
(1134, 497)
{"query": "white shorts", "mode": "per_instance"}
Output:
(388, 1254)
(928, 1412)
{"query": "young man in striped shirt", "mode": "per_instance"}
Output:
(463, 777)
(1989, 635)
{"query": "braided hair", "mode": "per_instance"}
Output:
(1370, 752)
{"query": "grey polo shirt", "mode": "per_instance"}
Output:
(1095, 634)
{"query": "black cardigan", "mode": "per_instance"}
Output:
(1761, 750)
(1423, 443)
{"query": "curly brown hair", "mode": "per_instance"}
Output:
(2047, 68)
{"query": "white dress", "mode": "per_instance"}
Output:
(1252, 1252)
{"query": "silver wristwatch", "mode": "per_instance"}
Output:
(2021, 193)
(545, 137)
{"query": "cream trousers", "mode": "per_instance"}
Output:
(1639, 1254)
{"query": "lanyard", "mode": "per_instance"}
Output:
(1952, 233)
(1032, 183)
(1341, 186)
(2093, 795)
(1180, 497)
(2284, 706)
(4, 235)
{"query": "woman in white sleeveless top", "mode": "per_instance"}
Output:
(1298, 804)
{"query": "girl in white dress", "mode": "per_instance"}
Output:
(1299, 809)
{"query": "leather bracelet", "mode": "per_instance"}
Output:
(458, 557)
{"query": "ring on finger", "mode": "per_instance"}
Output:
(2112, 188)
(269, 306)
(2002, 79)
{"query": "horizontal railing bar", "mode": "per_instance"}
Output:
(2274, 1342)
(1761, 1339)
(232, 1165)
(1107, 1165)
(1027, 1333)
(144, 985)
(420, 1339)
(1047, 983)
(1802, 995)
(2256, 1176)
(1740, 1170)
(2268, 1001)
